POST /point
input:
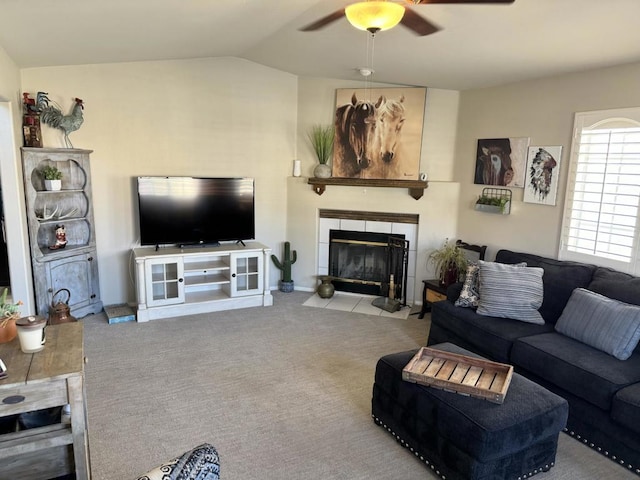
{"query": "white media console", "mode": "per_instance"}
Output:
(175, 281)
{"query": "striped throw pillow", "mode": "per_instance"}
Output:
(601, 322)
(510, 291)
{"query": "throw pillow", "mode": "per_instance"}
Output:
(510, 291)
(201, 463)
(469, 294)
(601, 322)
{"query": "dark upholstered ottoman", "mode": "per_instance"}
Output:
(461, 437)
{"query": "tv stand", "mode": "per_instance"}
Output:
(173, 281)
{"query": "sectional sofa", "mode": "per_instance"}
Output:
(577, 337)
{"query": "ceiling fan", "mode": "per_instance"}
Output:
(375, 16)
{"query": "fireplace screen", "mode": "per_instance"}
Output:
(363, 262)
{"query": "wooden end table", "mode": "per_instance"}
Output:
(50, 378)
(432, 291)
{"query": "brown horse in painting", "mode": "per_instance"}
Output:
(493, 166)
(355, 125)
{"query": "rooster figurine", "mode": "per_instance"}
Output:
(52, 116)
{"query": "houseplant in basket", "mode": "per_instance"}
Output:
(493, 204)
(449, 262)
(321, 138)
(52, 177)
(9, 313)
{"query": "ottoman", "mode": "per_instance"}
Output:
(461, 437)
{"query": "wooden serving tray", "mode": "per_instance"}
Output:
(475, 377)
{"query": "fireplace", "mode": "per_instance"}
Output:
(369, 263)
(363, 250)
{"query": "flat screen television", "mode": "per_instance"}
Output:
(195, 211)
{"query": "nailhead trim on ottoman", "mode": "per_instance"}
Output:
(462, 438)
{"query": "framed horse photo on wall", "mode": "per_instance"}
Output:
(501, 161)
(378, 133)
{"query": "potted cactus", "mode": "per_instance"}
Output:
(289, 258)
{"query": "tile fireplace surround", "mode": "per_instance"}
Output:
(370, 222)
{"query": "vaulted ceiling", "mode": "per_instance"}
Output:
(478, 45)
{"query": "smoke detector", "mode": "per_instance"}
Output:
(365, 71)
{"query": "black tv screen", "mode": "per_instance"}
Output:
(195, 211)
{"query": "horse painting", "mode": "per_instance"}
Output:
(355, 125)
(390, 118)
(378, 133)
(493, 165)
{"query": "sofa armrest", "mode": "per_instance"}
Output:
(453, 291)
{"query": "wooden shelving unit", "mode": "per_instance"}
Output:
(416, 187)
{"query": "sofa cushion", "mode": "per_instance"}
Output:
(601, 322)
(626, 407)
(492, 337)
(200, 463)
(582, 370)
(617, 285)
(509, 291)
(560, 279)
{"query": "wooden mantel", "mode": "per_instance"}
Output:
(416, 187)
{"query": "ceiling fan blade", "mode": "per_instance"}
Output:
(323, 22)
(419, 25)
(424, 2)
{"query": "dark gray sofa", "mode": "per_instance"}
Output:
(603, 392)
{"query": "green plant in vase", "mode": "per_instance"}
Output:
(321, 138)
(449, 262)
(52, 177)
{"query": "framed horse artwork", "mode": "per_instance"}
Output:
(501, 161)
(378, 133)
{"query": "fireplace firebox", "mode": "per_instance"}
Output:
(369, 263)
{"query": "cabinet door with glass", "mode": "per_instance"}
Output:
(164, 281)
(246, 273)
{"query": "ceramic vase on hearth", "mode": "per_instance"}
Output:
(326, 288)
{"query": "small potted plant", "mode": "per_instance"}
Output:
(500, 204)
(52, 177)
(9, 313)
(449, 262)
(321, 138)
(288, 259)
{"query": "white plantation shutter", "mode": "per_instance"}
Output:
(601, 223)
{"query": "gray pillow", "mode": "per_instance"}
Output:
(601, 322)
(510, 291)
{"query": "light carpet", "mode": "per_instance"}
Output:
(283, 392)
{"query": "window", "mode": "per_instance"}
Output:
(602, 207)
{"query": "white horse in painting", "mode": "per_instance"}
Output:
(390, 118)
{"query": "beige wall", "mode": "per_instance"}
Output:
(209, 117)
(542, 110)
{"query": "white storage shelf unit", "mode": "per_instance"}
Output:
(176, 281)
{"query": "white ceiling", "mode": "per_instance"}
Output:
(478, 46)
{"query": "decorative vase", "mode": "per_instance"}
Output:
(53, 185)
(297, 171)
(326, 288)
(450, 276)
(8, 329)
(322, 170)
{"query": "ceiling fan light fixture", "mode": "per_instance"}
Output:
(374, 16)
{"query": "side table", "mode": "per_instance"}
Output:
(432, 291)
(50, 378)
